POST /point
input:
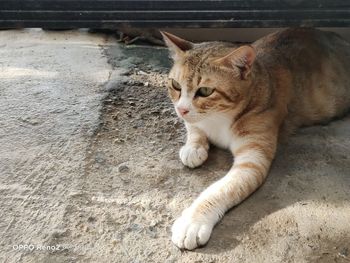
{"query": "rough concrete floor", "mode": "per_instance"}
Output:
(89, 167)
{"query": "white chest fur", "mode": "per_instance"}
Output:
(218, 129)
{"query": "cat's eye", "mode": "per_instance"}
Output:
(204, 92)
(175, 85)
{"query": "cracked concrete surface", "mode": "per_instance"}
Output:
(89, 165)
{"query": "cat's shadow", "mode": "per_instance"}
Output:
(313, 166)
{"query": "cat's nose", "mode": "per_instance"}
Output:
(183, 111)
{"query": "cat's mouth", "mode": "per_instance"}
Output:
(190, 118)
(191, 115)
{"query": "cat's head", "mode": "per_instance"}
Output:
(208, 78)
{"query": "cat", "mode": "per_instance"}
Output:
(243, 98)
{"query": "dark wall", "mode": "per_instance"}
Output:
(165, 13)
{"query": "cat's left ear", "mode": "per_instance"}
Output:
(241, 59)
(176, 45)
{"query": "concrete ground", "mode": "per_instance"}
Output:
(89, 165)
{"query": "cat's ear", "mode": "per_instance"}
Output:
(176, 45)
(241, 59)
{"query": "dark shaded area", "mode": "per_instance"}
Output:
(164, 13)
(144, 57)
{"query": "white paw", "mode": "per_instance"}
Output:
(193, 156)
(189, 233)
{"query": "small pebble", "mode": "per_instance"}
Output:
(114, 242)
(141, 72)
(123, 168)
(91, 219)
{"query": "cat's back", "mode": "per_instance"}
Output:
(302, 46)
(318, 63)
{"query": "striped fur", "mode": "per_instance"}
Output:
(291, 78)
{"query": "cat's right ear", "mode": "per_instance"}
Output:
(176, 45)
(240, 60)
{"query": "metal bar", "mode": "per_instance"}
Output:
(177, 15)
(112, 24)
(168, 5)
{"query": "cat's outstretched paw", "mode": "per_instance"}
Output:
(193, 156)
(189, 233)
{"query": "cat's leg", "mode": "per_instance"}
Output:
(253, 156)
(195, 151)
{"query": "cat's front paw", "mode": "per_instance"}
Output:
(190, 233)
(193, 155)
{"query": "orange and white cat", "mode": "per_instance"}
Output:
(241, 98)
